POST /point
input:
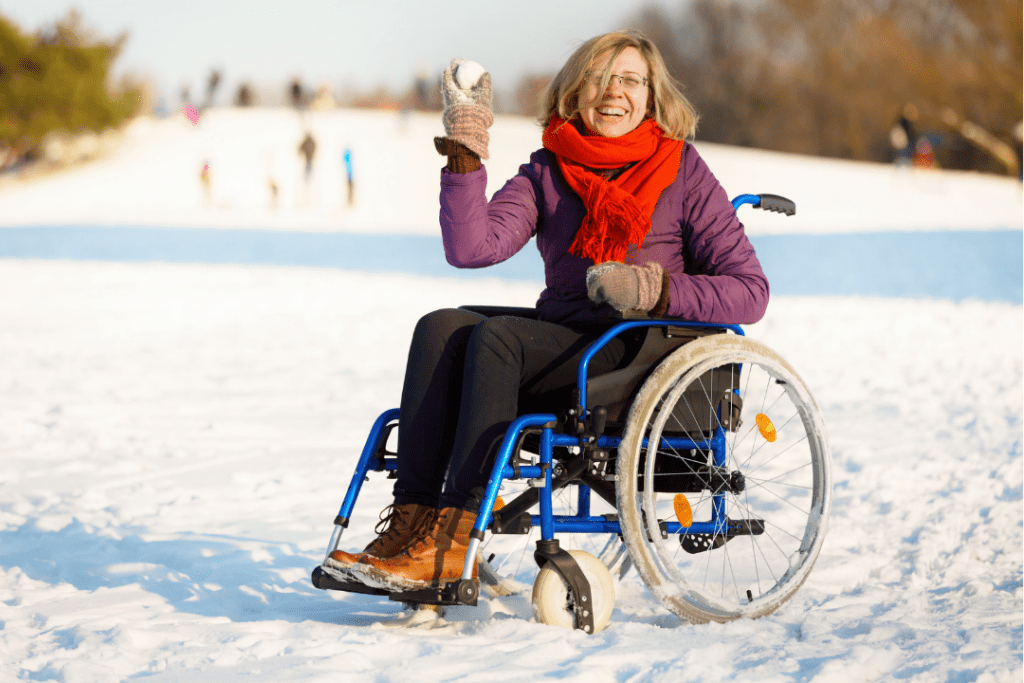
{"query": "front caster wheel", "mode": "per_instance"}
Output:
(553, 600)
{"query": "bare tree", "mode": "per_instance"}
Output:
(830, 76)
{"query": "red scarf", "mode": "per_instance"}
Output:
(618, 211)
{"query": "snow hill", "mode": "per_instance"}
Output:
(151, 176)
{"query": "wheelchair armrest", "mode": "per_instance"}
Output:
(618, 317)
(492, 311)
(627, 322)
(636, 315)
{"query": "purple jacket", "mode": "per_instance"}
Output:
(695, 235)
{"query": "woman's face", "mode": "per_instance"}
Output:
(623, 106)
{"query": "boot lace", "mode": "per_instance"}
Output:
(430, 528)
(390, 517)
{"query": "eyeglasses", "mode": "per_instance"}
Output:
(628, 81)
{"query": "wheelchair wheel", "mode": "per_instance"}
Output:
(505, 562)
(742, 539)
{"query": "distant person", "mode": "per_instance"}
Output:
(307, 148)
(245, 97)
(204, 179)
(924, 154)
(296, 94)
(212, 84)
(161, 109)
(324, 100)
(423, 89)
(627, 216)
(348, 174)
(903, 136)
(273, 192)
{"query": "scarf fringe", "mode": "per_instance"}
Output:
(614, 221)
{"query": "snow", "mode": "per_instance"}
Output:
(468, 73)
(176, 438)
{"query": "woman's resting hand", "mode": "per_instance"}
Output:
(626, 287)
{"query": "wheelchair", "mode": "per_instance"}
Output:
(702, 462)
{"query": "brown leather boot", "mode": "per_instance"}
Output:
(431, 561)
(399, 526)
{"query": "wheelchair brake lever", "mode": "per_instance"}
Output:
(599, 420)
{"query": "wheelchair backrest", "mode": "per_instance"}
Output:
(697, 412)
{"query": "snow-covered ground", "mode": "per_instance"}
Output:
(175, 439)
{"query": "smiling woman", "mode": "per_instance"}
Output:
(627, 218)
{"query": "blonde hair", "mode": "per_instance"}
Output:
(666, 104)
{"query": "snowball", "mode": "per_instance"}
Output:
(467, 74)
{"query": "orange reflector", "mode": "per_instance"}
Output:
(498, 504)
(765, 426)
(683, 511)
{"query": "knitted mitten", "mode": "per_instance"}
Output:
(628, 287)
(467, 105)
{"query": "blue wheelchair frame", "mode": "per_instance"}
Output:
(588, 437)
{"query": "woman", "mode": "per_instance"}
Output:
(626, 216)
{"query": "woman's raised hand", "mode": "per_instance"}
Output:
(467, 106)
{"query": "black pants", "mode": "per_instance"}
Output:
(466, 377)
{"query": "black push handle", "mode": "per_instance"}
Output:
(778, 204)
(768, 202)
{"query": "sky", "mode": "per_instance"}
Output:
(360, 43)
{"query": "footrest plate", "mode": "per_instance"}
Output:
(455, 592)
(324, 581)
(699, 543)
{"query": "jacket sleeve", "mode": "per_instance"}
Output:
(723, 282)
(478, 233)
